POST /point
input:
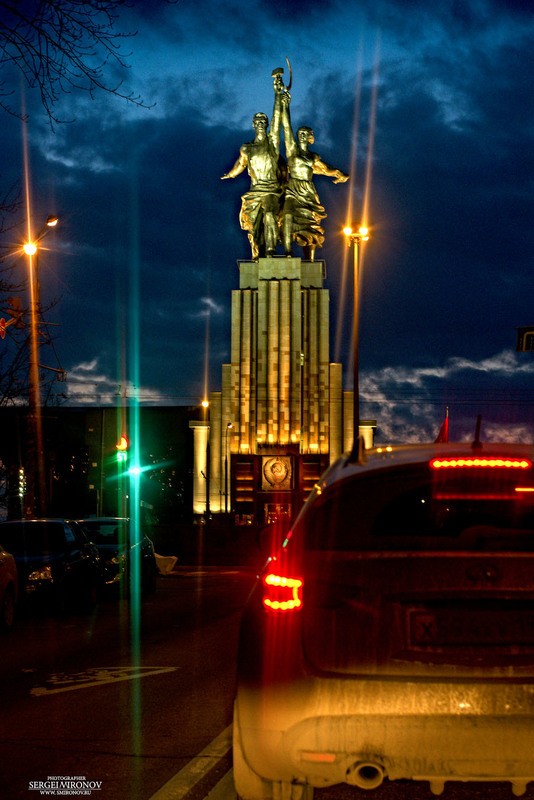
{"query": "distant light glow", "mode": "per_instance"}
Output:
(30, 248)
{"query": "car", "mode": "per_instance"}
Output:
(56, 563)
(8, 590)
(390, 635)
(123, 551)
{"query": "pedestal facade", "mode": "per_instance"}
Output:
(278, 420)
(281, 415)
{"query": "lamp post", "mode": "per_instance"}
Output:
(355, 238)
(206, 407)
(228, 427)
(37, 483)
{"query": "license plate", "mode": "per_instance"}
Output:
(462, 628)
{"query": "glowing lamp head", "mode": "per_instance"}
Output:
(362, 234)
(52, 221)
(30, 248)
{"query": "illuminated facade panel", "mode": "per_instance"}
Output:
(280, 392)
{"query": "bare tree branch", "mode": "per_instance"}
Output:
(62, 45)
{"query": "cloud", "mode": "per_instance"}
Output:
(89, 385)
(409, 402)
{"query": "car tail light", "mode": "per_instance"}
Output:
(281, 593)
(480, 477)
(487, 462)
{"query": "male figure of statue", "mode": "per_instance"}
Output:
(302, 212)
(260, 206)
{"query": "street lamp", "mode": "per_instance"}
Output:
(37, 489)
(355, 238)
(228, 427)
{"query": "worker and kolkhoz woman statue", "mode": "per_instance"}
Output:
(282, 203)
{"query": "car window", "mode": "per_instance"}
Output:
(33, 537)
(108, 532)
(409, 510)
(70, 538)
(79, 534)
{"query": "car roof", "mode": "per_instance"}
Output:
(389, 456)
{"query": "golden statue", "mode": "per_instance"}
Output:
(302, 212)
(260, 206)
(282, 203)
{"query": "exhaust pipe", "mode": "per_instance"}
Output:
(365, 775)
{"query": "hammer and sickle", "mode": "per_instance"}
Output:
(280, 71)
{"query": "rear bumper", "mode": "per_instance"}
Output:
(321, 732)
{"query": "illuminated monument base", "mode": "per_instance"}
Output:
(282, 415)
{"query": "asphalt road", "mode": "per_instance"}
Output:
(121, 698)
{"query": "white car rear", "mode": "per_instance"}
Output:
(392, 635)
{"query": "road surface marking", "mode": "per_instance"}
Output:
(62, 682)
(184, 780)
(224, 789)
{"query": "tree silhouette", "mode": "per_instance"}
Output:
(63, 45)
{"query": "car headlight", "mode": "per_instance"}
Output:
(41, 574)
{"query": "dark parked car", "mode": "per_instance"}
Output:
(8, 589)
(55, 561)
(391, 636)
(127, 554)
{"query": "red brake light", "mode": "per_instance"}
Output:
(282, 593)
(490, 462)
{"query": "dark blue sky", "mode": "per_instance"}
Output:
(144, 259)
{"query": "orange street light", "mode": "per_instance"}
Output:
(355, 238)
(37, 488)
(30, 248)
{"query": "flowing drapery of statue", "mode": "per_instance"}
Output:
(282, 204)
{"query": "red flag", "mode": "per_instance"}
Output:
(443, 435)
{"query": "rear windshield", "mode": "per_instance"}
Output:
(109, 532)
(32, 537)
(410, 509)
